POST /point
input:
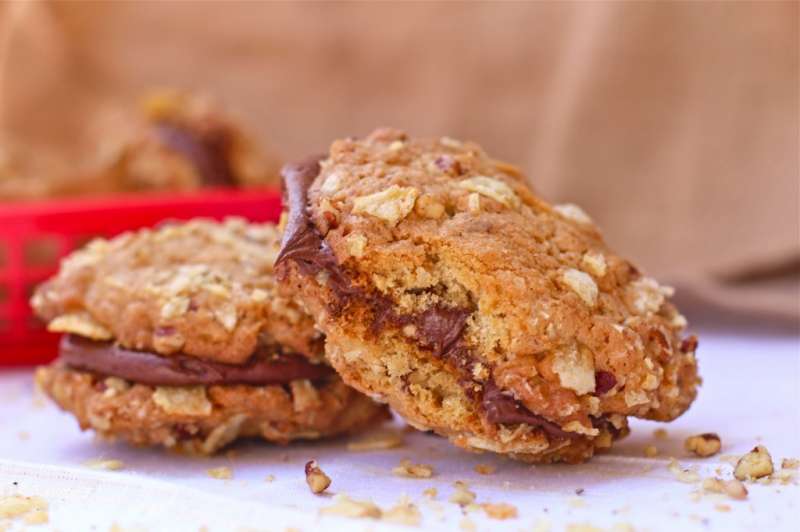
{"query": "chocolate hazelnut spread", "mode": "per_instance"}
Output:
(108, 358)
(207, 152)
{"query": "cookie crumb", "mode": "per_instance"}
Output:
(316, 478)
(485, 469)
(661, 434)
(404, 513)
(722, 507)
(754, 465)
(430, 493)
(467, 525)
(500, 511)
(409, 470)
(346, 507)
(105, 464)
(651, 451)
(703, 445)
(221, 473)
(790, 463)
(683, 475)
(269, 478)
(462, 495)
(377, 441)
(576, 502)
(33, 510)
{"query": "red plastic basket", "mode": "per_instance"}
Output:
(34, 237)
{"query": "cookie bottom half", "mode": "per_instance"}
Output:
(202, 419)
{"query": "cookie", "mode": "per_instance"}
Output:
(178, 141)
(448, 289)
(177, 336)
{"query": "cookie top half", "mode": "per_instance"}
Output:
(449, 250)
(200, 288)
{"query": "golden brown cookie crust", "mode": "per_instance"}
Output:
(202, 420)
(201, 288)
(552, 318)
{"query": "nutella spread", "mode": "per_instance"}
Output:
(107, 358)
(208, 152)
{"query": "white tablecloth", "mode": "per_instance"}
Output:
(750, 396)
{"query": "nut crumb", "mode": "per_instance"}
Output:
(790, 463)
(104, 464)
(754, 465)
(651, 451)
(430, 493)
(500, 511)
(404, 513)
(661, 434)
(221, 473)
(485, 469)
(683, 475)
(346, 507)
(316, 478)
(409, 470)
(377, 441)
(462, 495)
(704, 445)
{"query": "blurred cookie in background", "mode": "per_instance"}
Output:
(174, 140)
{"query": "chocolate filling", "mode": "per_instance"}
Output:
(107, 358)
(502, 408)
(439, 329)
(208, 152)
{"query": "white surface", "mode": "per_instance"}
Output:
(750, 395)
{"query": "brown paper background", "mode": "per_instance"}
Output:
(674, 124)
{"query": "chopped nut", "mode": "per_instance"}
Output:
(474, 202)
(331, 184)
(595, 263)
(755, 464)
(316, 478)
(221, 473)
(573, 212)
(713, 485)
(404, 513)
(582, 284)
(485, 469)
(377, 441)
(648, 295)
(184, 400)
(500, 510)
(651, 451)
(347, 507)
(115, 386)
(304, 395)
(105, 464)
(707, 444)
(492, 188)
(356, 244)
(575, 369)
(684, 475)
(175, 307)
(462, 495)
(390, 205)
(80, 323)
(790, 463)
(407, 469)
